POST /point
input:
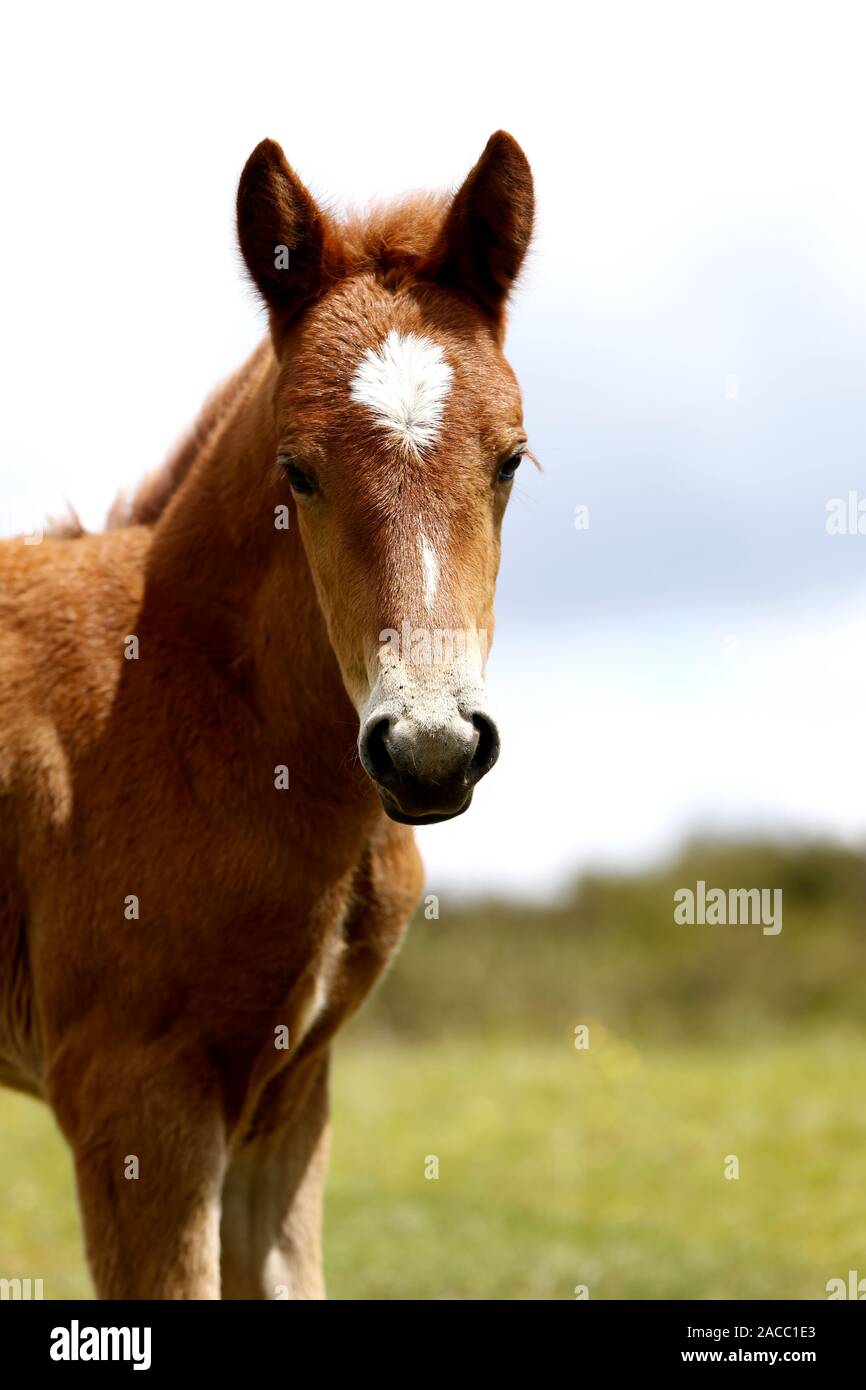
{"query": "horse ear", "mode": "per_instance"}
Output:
(281, 232)
(488, 227)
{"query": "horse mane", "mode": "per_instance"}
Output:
(64, 528)
(389, 240)
(156, 490)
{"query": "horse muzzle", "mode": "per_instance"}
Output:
(426, 770)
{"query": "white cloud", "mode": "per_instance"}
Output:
(669, 142)
(618, 743)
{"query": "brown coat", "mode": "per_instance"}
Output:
(171, 914)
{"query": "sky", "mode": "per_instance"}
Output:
(690, 338)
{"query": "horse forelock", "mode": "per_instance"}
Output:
(389, 241)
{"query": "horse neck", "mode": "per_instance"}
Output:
(237, 593)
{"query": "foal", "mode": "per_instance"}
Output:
(218, 719)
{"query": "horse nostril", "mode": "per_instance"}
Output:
(375, 758)
(407, 759)
(486, 749)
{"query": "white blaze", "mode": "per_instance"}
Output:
(405, 385)
(430, 569)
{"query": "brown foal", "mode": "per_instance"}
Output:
(220, 718)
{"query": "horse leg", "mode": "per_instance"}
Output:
(272, 1198)
(149, 1148)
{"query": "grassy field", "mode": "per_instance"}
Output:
(557, 1167)
(560, 1167)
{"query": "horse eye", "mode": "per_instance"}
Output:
(509, 468)
(300, 482)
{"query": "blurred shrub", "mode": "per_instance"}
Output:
(611, 950)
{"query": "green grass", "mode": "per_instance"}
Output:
(557, 1167)
(610, 948)
(39, 1229)
(560, 1167)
